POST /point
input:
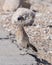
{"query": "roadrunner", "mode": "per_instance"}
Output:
(23, 17)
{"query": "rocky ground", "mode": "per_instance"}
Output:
(40, 34)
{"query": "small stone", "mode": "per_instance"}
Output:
(11, 5)
(49, 37)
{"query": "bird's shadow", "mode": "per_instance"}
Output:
(40, 61)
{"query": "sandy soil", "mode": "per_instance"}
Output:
(40, 34)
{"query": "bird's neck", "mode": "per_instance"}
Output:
(20, 28)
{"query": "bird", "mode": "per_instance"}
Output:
(21, 18)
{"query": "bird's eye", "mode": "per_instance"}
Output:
(19, 18)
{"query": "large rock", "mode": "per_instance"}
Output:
(23, 16)
(1, 3)
(11, 5)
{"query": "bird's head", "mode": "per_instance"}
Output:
(23, 17)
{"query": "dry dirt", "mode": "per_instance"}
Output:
(40, 33)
